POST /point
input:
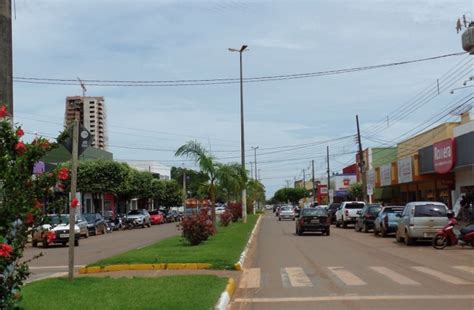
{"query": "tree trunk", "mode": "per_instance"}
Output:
(213, 205)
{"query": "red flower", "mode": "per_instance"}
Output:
(74, 203)
(19, 132)
(63, 174)
(3, 111)
(20, 148)
(51, 236)
(5, 250)
(29, 219)
(38, 205)
(44, 144)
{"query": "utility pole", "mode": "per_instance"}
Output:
(251, 170)
(361, 163)
(72, 210)
(255, 160)
(312, 181)
(6, 58)
(329, 173)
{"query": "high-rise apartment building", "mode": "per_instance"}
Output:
(92, 117)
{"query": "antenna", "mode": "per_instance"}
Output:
(83, 86)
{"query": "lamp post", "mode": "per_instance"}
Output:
(242, 139)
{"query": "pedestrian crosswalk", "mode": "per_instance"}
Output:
(298, 277)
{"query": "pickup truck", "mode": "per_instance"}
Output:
(347, 212)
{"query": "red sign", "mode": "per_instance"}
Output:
(346, 182)
(444, 156)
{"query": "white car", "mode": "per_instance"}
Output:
(286, 212)
(347, 212)
(220, 210)
(59, 225)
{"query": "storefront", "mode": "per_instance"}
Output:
(464, 168)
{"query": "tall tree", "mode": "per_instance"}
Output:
(207, 165)
(231, 179)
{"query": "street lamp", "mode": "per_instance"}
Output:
(242, 139)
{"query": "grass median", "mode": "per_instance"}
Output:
(222, 251)
(173, 292)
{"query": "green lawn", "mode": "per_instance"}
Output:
(222, 251)
(173, 292)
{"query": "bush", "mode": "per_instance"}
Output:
(236, 211)
(197, 228)
(226, 218)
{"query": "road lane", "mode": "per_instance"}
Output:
(375, 271)
(55, 258)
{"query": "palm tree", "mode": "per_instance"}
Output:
(231, 178)
(207, 165)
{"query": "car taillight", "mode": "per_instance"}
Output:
(347, 212)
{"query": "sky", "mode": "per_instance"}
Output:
(291, 121)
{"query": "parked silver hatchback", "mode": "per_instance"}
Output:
(421, 220)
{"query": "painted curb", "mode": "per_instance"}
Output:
(240, 264)
(226, 295)
(163, 266)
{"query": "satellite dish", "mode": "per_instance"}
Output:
(461, 109)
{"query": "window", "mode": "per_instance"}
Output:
(354, 206)
(430, 210)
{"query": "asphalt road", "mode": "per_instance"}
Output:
(349, 270)
(55, 258)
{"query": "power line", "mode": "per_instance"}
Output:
(219, 81)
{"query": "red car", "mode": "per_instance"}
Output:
(156, 217)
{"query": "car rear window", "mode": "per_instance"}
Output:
(354, 206)
(374, 210)
(430, 211)
(315, 212)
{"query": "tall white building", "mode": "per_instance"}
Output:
(92, 117)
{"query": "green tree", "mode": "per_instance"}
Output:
(355, 191)
(207, 165)
(194, 181)
(293, 195)
(231, 179)
(256, 191)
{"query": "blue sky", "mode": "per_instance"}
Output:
(172, 40)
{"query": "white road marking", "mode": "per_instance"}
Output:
(346, 276)
(465, 268)
(250, 278)
(345, 297)
(394, 276)
(442, 276)
(53, 275)
(298, 277)
(53, 267)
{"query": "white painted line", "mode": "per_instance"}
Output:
(394, 276)
(223, 301)
(345, 297)
(346, 276)
(465, 268)
(298, 277)
(250, 278)
(53, 267)
(284, 278)
(53, 275)
(442, 276)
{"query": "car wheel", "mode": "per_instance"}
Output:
(104, 230)
(344, 224)
(64, 243)
(293, 219)
(34, 243)
(365, 228)
(279, 218)
(384, 233)
(376, 232)
(300, 232)
(144, 224)
(408, 241)
(96, 231)
(76, 242)
(328, 232)
(338, 224)
(45, 243)
(87, 233)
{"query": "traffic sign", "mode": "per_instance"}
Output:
(85, 139)
(370, 189)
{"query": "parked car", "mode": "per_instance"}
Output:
(220, 210)
(277, 211)
(139, 217)
(95, 223)
(421, 220)
(367, 216)
(313, 219)
(190, 212)
(332, 211)
(387, 220)
(59, 225)
(347, 213)
(173, 216)
(286, 212)
(268, 207)
(157, 217)
(81, 222)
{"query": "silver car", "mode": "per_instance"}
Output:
(421, 220)
(286, 212)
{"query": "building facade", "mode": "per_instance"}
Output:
(92, 116)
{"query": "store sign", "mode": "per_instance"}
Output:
(386, 175)
(405, 170)
(346, 182)
(443, 156)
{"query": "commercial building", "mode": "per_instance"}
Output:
(92, 116)
(158, 170)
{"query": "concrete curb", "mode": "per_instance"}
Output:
(163, 266)
(240, 264)
(226, 296)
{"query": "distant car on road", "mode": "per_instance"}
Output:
(332, 211)
(95, 223)
(139, 217)
(286, 212)
(59, 226)
(156, 217)
(220, 210)
(365, 221)
(314, 220)
(421, 220)
(387, 220)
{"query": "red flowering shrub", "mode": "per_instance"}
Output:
(21, 194)
(197, 228)
(226, 218)
(236, 211)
